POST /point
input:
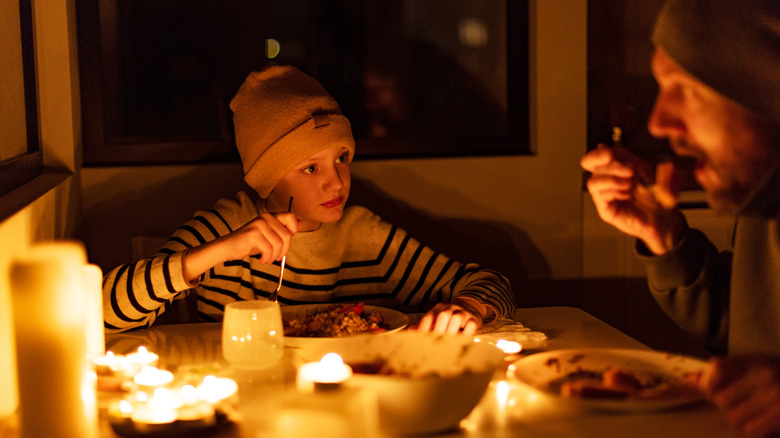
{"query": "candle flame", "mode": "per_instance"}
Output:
(509, 347)
(331, 360)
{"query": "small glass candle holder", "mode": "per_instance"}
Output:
(252, 334)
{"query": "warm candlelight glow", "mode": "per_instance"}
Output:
(56, 389)
(151, 377)
(93, 288)
(252, 335)
(106, 364)
(189, 394)
(143, 358)
(330, 370)
(149, 415)
(509, 347)
(125, 408)
(215, 389)
(164, 398)
(171, 408)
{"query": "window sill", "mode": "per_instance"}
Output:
(27, 193)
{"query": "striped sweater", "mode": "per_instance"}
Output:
(357, 259)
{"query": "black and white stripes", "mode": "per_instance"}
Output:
(359, 258)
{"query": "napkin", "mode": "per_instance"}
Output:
(506, 328)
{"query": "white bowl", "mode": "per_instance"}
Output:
(444, 376)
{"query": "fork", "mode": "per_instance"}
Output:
(275, 294)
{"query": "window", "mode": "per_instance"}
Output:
(416, 77)
(20, 157)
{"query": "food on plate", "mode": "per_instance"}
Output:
(620, 384)
(335, 320)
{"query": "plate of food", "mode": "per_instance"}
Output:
(614, 379)
(310, 323)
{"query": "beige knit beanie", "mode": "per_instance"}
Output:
(281, 117)
(733, 46)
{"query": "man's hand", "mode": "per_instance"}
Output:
(747, 389)
(620, 187)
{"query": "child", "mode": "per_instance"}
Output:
(296, 148)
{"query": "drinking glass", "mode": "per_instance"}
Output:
(252, 334)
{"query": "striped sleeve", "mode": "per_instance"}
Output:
(425, 277)
(135, 294)
(417, 277)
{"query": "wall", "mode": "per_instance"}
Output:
(520, 215)
(52, 199)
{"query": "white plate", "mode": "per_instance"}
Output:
(539, 370)
(393, 320)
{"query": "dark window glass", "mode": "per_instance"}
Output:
(415, 77)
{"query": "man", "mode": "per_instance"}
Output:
(717, 64)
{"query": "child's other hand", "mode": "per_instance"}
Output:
(450, 318)
(268, 235)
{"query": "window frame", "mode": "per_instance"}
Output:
(20, 169)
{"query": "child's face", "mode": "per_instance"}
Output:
(320, 185)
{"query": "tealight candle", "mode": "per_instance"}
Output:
(189, 394)
(153, 377)
(328, 373)
(201, 413)
(164, 398)
(105, 365)
(143, 358)
(509, 347)
(215, 389)
(112, 371)
(148, 415)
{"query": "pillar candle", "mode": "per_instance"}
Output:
(56, 391)
(8, 395)
(93, 287)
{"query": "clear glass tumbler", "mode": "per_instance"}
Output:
(252, 334)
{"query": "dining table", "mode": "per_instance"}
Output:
(508, 408)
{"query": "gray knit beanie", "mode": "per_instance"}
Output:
(282, 116)
(733, 46)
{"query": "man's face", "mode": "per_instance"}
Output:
(731, 146)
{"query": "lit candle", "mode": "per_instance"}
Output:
(93, 288)
(107, 364)
(143, 358)
(189, 394)
(9, 399)
(124, 409)
(164, 398)
(215, 389)
(196, 411)
(49, 313)
(502, 400)
(161, 408)
(509, 347)
(151, 377)
(112, 371)
(146, 414)
(328, 373)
